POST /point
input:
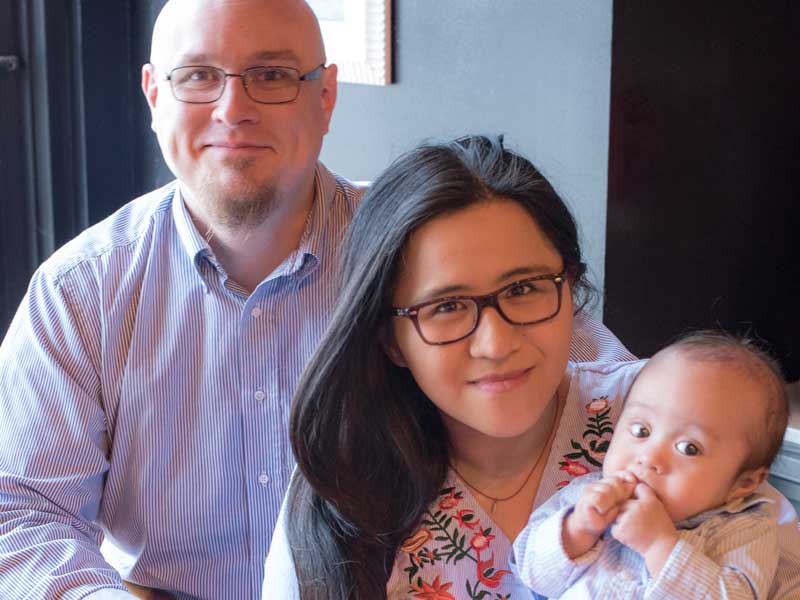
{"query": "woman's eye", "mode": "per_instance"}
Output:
(639, 431)
(520, 289)
(687, 448)
(448, 307)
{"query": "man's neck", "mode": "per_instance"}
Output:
(251, 252)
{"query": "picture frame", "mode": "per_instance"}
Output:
(358, 38)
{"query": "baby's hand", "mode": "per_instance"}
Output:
(644, 525)
(597, 507)
(600, 502)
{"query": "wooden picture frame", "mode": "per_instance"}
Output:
(358, 38)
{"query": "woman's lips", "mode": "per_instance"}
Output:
(502, 382)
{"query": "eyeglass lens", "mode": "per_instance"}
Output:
(524, 302)
(268, 85)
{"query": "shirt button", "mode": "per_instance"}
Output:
(256, 312)
(263, 479)
(259, 395)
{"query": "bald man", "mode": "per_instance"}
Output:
(146, 379)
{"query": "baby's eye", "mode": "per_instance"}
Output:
(687, 448)
(639, 431)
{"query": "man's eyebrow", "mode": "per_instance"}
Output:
(213, 59)
(277, 55)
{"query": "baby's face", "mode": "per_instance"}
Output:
(684, 432)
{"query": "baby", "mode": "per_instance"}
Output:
(674, 513)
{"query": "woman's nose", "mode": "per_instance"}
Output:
(494, 338)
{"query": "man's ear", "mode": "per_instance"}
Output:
(150, 88)
(391, 348)
(747, 482)
(328, 93)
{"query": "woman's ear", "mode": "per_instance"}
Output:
(747, 482)
(390, 347)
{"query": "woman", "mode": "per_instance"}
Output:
(440, 408)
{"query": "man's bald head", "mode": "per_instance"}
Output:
(239, 158)
(181, 17)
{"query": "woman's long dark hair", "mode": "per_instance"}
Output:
(371, 449)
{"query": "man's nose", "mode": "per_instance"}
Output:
(235, 106)
(494, 338)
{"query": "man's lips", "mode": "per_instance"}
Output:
(227, 145)
(500, 382)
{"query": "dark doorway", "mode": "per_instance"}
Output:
(17, 250)
(703, 217)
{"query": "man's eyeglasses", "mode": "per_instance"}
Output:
(202, 84)
(524, 302)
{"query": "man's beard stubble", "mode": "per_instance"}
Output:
(242, 207)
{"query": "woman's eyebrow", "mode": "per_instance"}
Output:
(526, 271)
(464, 290)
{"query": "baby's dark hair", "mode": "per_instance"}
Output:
(744, 353)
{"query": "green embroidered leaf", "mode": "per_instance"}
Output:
(602, 446)
(573, 456)
(590, 459)
(576, 445)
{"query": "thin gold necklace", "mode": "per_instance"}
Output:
(542, 452)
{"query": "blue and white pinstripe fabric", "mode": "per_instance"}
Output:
(143, 395)
(725, 553)
(144, 398)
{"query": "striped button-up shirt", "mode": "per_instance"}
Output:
(144, 399)
(727, 552)
(144, 395)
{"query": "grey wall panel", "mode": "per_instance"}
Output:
(536, 70)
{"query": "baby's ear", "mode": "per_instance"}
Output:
(747, 482)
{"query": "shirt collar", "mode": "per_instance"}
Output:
(315, 238)
(734, 507)
(302, 261)
(195, 244)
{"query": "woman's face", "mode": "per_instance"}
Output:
(498, 380)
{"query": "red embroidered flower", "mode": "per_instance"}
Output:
(597, 405)
(433, 591)
(561, 484)
(466, 517)
(573, 468)
(487, 575)
(481, 540)
(426, 554)
(450, 501)
(416, 541)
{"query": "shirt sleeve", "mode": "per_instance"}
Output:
(592, 342)
(787, 580)
(539, 559)
(53, 446)
(741, 562)
(280, 577)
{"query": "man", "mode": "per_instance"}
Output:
(145, 381)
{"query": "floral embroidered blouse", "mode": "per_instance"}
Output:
(457, 552)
